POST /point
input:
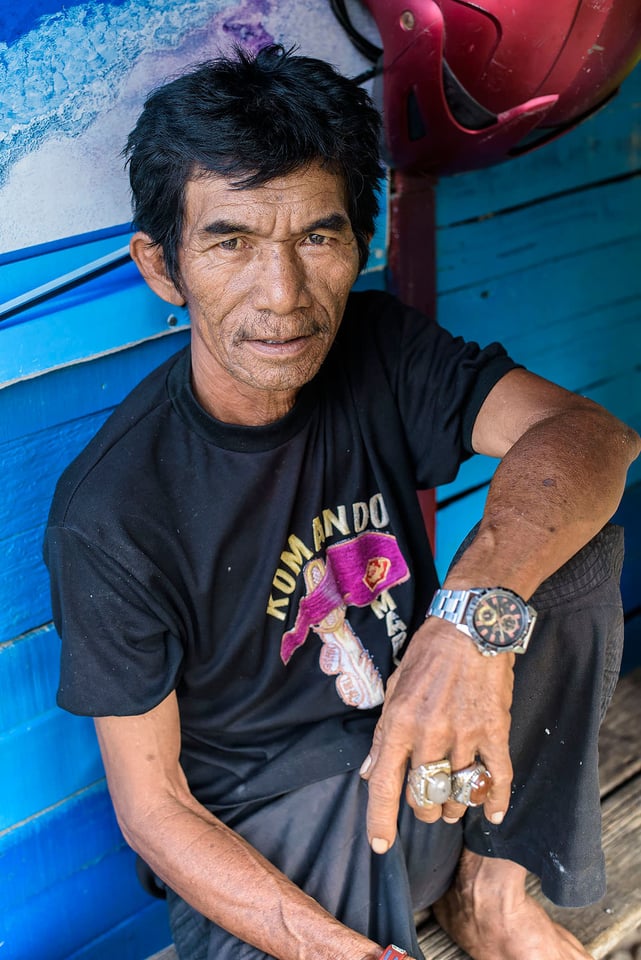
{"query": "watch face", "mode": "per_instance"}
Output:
(499, 619)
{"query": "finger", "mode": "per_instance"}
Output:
(498, 800)
(374, 750)
(462, 757)
(453, 811)
(427, 812)
(385, 782)
(377, 738)
(498, 764)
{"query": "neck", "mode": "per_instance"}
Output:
(240, 404)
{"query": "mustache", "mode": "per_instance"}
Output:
(265, 326)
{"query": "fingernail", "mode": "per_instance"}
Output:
(497, 817)
(379, 845)
(451, 819)
(366, 764)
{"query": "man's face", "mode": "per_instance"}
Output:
(266, 273)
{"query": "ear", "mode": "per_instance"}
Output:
(149, 259)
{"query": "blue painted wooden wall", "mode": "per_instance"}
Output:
(542, 253)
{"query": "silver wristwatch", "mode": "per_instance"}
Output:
(495, 618)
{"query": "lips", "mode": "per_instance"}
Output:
(283, 348)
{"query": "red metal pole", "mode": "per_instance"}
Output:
(412, 265)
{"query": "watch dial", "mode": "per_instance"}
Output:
(498, 619)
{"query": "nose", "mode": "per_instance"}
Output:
(280, 284)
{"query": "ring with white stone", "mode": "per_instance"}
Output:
(430, 783)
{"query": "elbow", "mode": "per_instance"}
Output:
(136, 826)
(631, 442)
(613, 435)
(142, 817)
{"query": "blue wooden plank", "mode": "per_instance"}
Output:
(33, 465)
(24, 588)
(559, 226)
(554, 324)
(137, 938)
(100, 317)
(43, 762)
(74, 911)
(570, 292)
(53, 845)
(29, 668)
(24, 273)
(604, 146)
(79, 389)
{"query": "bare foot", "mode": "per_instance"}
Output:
(488, 913)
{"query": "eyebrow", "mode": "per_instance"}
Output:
(333, 221)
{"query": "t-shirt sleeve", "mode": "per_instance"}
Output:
(120, 654)
(440, 383)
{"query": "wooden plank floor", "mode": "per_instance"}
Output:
(603, 926)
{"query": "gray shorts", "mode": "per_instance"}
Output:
(316, 835)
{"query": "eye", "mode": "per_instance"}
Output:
(318, 239)
(234, 243)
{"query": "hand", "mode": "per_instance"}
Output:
(444, 700)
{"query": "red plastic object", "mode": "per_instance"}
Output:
(467, 84)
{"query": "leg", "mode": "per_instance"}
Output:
(488, 913)
(553, 828)
(316, 836)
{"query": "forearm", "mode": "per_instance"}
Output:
(227, 880)
(205, 862)
(552, 492)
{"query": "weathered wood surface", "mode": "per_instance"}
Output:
(604, 925)
(620, 737)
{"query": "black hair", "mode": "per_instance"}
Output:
(251, 119)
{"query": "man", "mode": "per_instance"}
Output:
(238, 565)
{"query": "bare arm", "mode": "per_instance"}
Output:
(561, 477)
(204, 861)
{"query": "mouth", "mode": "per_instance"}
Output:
(285, 347)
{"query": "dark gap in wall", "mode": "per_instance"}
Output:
(595, 185)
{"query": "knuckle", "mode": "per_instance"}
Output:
(453, 809)
(427, 814)
(381, 792)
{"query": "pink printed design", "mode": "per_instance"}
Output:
(358, 682)
(355, 573)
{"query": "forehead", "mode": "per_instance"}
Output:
(292, 201)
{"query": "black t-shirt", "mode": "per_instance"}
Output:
(268, 574)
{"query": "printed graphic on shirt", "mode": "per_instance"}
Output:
(354, 572)
(358, 682)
